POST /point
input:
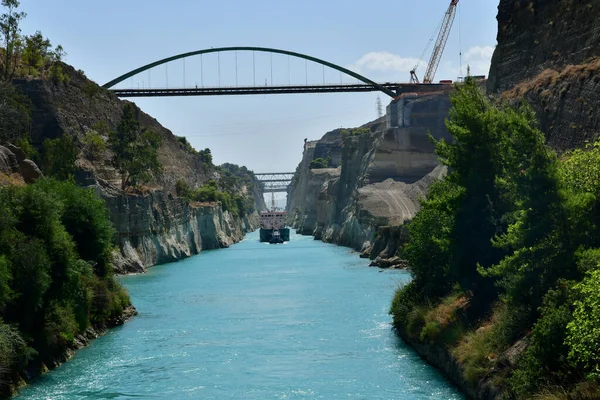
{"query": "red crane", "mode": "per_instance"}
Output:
(440, 44)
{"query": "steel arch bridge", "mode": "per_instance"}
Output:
(391, 89)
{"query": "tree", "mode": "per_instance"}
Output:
(15, 112)
(94, 145)
(36, 51)
(206, 157)
(583, 332)
(319, 163)
(58, 157)
(58, 54)
(135, 150)
(9, 26)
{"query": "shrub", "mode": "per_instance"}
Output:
(318, 163)
(583, 332)
(546, 359)
(182, 189)
(476, 353)
(14, 353)
(206, 157)
(94, 145)
(58, 157)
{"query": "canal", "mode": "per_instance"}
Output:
(302, 320)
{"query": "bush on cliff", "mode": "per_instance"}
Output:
(319, 163)
(516, 230)
(209, 192)
(56, 277)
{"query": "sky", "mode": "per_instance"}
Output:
(382, 40)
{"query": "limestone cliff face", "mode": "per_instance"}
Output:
(364, 201)
(153, 226)
(548, 53)
(157, 228)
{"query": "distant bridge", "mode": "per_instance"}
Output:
(274, 182)
(362, 83)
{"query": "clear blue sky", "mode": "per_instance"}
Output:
(380, 39)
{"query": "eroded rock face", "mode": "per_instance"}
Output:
(365, 201)
(541, 34)
(8, 161)
(547, 53)
(157, 228)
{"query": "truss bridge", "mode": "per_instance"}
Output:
(274, 182)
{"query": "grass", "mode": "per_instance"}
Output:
(444, 323)
(475, 353)
(550, 78)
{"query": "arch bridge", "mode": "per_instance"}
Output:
(359, 83)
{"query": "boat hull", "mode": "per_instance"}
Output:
(266, 235)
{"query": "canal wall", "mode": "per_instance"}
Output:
(154, 224)
(157, 228)
(363, 200)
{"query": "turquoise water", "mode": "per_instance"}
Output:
(303, 320)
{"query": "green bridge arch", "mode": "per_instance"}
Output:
(346, 71)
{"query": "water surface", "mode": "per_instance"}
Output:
(303, 320)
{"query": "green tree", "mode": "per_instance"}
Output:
(9, 26)
(428, 250)
(583, 332)
(15, 113)
(474, 162)
(206, 157)
(319, 163)
(135, 151)
(182, 189)
(538, 238)
(86, 218)
(93, 145)
(58, 157)
(36, 51)
(5, 281)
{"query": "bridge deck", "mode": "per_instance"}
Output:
(399, 88)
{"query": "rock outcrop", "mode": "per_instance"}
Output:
(365, 198)
(15, 168)
(548, 53)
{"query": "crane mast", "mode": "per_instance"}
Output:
(439, 47)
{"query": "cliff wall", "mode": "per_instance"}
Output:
(154, 226)
(158, 228)
(363, 201)
(547, 53)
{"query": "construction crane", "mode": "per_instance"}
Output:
(440, 44)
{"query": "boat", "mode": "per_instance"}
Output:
(272, 227)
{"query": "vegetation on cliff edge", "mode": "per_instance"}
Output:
(505, 255)
(56, 278)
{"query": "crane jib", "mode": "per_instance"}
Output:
(439, 47)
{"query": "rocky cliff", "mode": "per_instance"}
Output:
(153, 225)
(548, 53)
(363, 200)
(158, 228)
